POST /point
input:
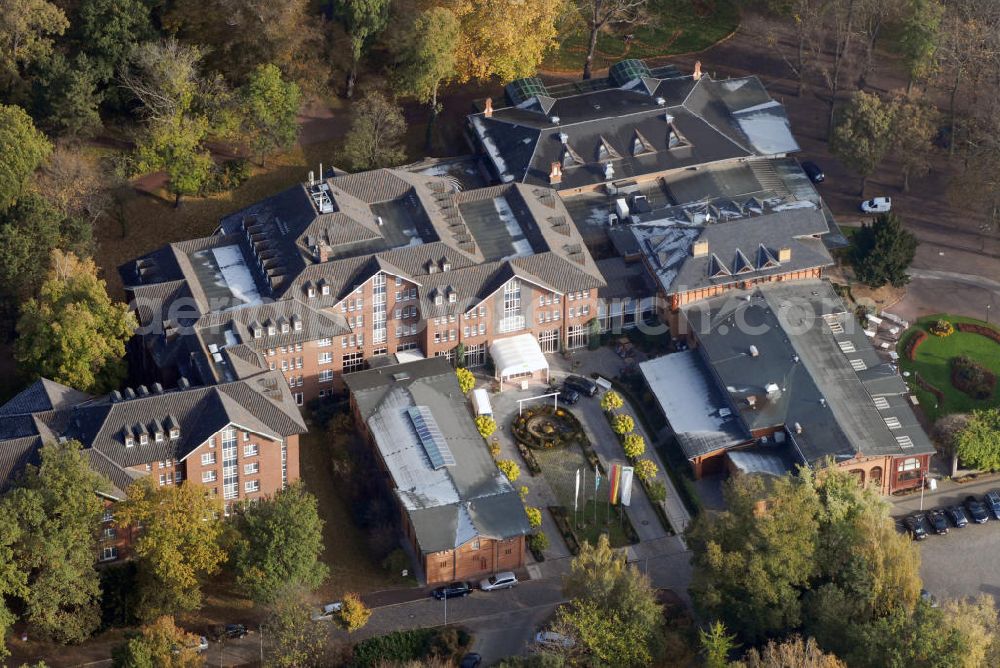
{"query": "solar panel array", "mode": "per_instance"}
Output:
(430, 437)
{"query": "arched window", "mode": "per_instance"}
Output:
(875, 476)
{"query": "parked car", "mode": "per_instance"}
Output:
(229, 631)
(813, 171)
(977, 510)
(957, 516)
(327, 611)
(199, 647)
(453, 590)
(503, 580)
(938, 521)
(553, 639)
(568, 396)
(917, 526)
(877, 205)
(993, 502)
(472, 660)
(580, 384)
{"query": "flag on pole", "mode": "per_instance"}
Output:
(597, 482)
(626, 484)
(576, 494)
(613, 482)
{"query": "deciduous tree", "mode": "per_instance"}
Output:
(882, 251)
(26, 31)
(427, 56)
(466, 380)
(109, 30)
(793, 651)
(23, 149)
(611, 401)
(919, 36)
(163, 77)
(600, 13)
(270, 107)
(354, 614)
(13, 580)
(159, 644)
(178, 544)
(363, 19)
(498, 43)
(979, 442)
(58, 513)
(486, 425)
(376, 133)
(634, 445)
(623, 424)
(291, 638)
(281, 538)
(863, 134)
(176, 147)
(646, 470)
(914, 122)
(73, 333)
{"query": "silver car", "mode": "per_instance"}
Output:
(504, 580)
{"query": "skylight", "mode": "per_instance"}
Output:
(430, 437)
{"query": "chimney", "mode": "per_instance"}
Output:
(785, 254)
(798, 428)
(697, 70)
(157, 388)
(488, 112)
(555, 173)
(323, 251)
(182, 383)
(752, 401)
(609, 171)
(754, 352)
(700, 248)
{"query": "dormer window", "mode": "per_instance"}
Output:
(159, 437)
(257, 332)
(452, 297)
(297, 324)
(270, 330)
(311, 292)
(325, 290)
(432, 269)
(129, 442)
(284, 328)
(175, 434)
(438, 299)
(143, 439)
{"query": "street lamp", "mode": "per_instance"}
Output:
(988, 307)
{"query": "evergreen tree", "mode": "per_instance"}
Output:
(882, 251)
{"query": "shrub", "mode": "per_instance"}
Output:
(635, 445)
(623, 424)
(227, 176)
(509, 468)
(972, 378)
(534, 517)
(538, 542)
(466, 381)
(656, 491)
(646, 470)
(611, 401)
(914, 343)
(972, 328)
(398, 646)
(396, 562)
(529, 458)
(354, 614)
(486, 425)
(942, 328)
(522, 492)
(495, 450)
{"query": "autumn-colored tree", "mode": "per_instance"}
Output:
(12, 579)
(623, 424)
(634, 445)
(863, 134)
(26, 31)
(611, 401)
(534, 516)
(427, 56)
(176, 146)
(270, 108)
(914, 122)
(466, 381)
(163, 76)
(509, 468)
(486, 425)
(178, 544)
(57, 513)
(292, 639)
(162, 644)
(793, 651)
(499, 43)
(979, 442)
(23, 149)
(919, 36)
(716, 645)
(73, 333)
(646, 470)
(354, 614)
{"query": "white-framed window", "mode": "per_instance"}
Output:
(109, 533)
(163, 479)
(246, 436)
(158, 437)
(548, 340)
(512, 319)
(482, 328)
(252, 467)
(251, 486)
(209, 476)
(143, 439)
(270, 330)
(578, 336)
(326, 376)
(325, 290)
(299, 398)
(251, 450)
(208, 459)
(109, 553)
(353, 362)
(298, 325)
(230, 474)
(129, 442)
(284, 328)
(325, 358)
(908, 464)
(175, 433)
(475, 355)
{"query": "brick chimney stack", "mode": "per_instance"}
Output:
(323, 251)
(697, 70)
(555, 173)
(488, 112)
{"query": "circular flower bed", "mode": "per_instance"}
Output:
(545, 427)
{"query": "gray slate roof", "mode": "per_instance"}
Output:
(448, 506)
(804, 372)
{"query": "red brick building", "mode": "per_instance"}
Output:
(317, 281)
(238, 439)
(459, 513)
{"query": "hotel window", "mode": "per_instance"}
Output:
(270, 330)
(399, 281)
(465, 331)
(175, 434)
(482, 328)
(251, 486)
(143, 439)
(163, 479)
(109, 553)
(253, 467)
(149, 467)
(298, 347)
(482, 310)
(475, 544)
(325, 290)
(251, 450)
(299, 398)
(512, 319)
(398, 313)
(298, 325)
(284, 365)
(452, 334)
(129, 442)
(230, 474)
(572, 312)
(437, 337)
(323, 343)
(178, 476)
(325, 358)
(311, 292)
(284, 328)
(159, 437)
(326, 376)
(246, 436)
(399, 331)
(208, 458)
(353, 362)
(209, 476)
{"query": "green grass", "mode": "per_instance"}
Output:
(607, 520)
(674, 26)
(933, 364)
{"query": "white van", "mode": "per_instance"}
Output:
(481, 402)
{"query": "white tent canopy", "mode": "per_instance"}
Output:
(518, 355)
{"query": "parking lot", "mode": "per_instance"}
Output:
(961, 563)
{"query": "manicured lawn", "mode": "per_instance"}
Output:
(674, 26)
(559, 466)
(933, 364)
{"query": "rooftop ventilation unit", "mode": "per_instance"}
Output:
(660, 102)
(555, 120)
